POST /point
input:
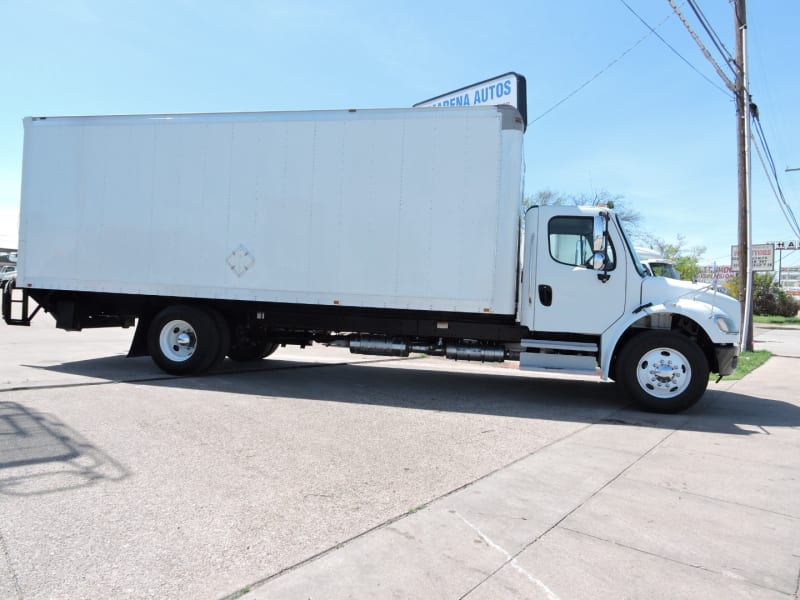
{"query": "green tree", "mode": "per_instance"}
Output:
(732, 286)
(769, 298)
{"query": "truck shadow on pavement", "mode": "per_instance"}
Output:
(427, 385)
(41, 455)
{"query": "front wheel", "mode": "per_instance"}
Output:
(663, 371)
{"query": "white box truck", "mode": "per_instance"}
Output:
(386, 231)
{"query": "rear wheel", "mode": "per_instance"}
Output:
(663, 371)
(183, 340)
(224, 331)
(250, 345)
(253, 351)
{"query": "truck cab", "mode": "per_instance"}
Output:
(658, 337)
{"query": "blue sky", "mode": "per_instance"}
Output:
(649, 128)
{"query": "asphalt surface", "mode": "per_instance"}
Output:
(320, 474)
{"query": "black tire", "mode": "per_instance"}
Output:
(662, 371)
(183, 340)
(269, 350)
(251, 349)
(224, 331)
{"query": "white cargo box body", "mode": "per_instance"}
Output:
(404, 209)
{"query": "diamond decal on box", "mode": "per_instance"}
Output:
(240, 261)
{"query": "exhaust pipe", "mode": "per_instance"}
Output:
(475, 352)
(380, 346)
(384, 346)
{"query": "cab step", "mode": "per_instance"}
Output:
(575, 358)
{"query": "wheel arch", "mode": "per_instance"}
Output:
(665, 321)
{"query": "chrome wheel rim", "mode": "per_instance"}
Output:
(178, 340)
(664, 372)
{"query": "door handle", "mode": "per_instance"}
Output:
(545, 295)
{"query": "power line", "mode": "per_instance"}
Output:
(590, 80)
(728, 83)
(772, 185)
(712, 34)
(763, 139)
(611, 64)
(772, 173)
(667, 44)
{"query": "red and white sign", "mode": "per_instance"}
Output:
(723, 274)
(763, 257)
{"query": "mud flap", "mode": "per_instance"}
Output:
(139, 343)
(727, 359)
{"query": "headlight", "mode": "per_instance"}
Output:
(726, 324)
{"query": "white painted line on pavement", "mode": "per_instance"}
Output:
(513, 561)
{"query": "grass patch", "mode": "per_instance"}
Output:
(775, 320)
(748, 362)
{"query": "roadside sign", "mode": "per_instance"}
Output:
(763, 257)
(503, 89)
(792, 245)
(708, 274)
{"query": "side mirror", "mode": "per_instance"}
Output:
(599, 246)
(599, 234)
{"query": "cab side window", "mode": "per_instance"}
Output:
(570, 241)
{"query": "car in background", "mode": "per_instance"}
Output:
(660, 267)
(7, 273)
(655, 264)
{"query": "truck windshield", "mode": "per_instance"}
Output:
(637, 263)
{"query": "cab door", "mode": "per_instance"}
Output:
(569, 293)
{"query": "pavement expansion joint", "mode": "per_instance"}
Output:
(685, 492)
(510, 560)
(724, 573)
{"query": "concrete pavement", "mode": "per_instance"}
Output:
(316, 476)
(781, 340)
(700, 505)
(118, 481)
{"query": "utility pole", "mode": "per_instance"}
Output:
(743, 147)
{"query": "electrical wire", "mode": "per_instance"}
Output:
(728, 83)
(759, 139)
(607, 67)
(667, 44)
(588, 81)
(772, 185)
(774, 171)
(713, 35)
(760, 144)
